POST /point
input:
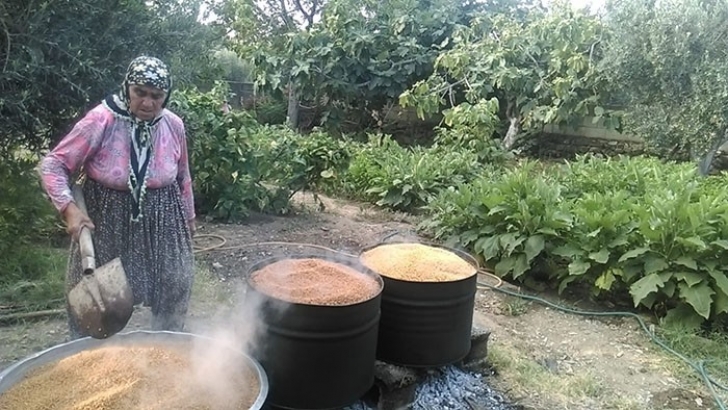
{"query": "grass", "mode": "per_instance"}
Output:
(528, 379)
(32, 279)
(210, 290)
(710, 347)
(513, 306)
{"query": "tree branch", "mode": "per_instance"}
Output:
(307, 16)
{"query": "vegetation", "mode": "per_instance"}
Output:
(647, 229)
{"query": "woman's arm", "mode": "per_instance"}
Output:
(184, 178)
(68, 156)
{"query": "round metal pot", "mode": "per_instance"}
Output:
(17, 372)
(317, 357)
(426, 324)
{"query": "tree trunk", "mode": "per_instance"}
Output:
(293, 107)
(513, 130)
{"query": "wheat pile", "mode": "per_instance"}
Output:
(314, 281)
(416, 262)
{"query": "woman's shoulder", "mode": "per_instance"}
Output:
(174, 119)
(100, 113)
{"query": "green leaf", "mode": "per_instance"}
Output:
(565, 282)
(682, 317)
(579, 267)
(521, 266)
(668, 289)
(547, 231)
(598, 111)
(645, 286)
(534, 245)
(633, 254)
(567, 251)
(619, 241)
(720, 303)
(690, 278)
(605, 280)
(720, 278)
(327, 173)
(649, 300)
(698, 296)
(511, 241)
(655, 264)
(505, 266)
(696, 241)
(687, 262)
(600, 257)
(721, 242)
(488, 246)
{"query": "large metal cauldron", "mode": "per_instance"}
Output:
(16, 373)
(317, 357)
(426, 324)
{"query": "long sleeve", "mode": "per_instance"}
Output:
(183, 175)
(69, 155)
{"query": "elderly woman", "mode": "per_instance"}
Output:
(132, 153)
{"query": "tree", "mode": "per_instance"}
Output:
(56, 60)
(361, 55)
(543, 69)
(263, 28)
(670, 65)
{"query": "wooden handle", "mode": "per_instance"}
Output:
(85, 242)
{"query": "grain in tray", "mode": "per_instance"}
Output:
(135, 377)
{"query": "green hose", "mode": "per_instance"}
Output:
(699, 366)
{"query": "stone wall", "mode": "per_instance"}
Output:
(561, 146)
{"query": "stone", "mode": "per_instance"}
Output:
(477, 357)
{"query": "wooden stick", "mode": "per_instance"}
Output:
(31, 315)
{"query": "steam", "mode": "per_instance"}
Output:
(219, 374)
(219, 362)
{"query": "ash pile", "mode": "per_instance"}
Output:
(460, 386)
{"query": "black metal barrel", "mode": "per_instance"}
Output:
(426, 324)
(316, 357)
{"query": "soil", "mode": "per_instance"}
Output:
(615, 353)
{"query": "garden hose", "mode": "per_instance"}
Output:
(699, 366)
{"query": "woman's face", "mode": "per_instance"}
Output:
(145, 101)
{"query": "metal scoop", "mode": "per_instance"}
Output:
(102, 301)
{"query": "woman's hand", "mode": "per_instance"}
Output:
(75, 220)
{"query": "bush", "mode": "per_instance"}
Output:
(270, 111)
(30, 270)
(406, 179)
(629, 226)
(239, 166)
(227, 167)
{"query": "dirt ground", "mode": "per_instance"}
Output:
(541, 358)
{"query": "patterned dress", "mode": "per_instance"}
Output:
(148, 231)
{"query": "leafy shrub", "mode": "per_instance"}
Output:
(239, 166)
(271, 111)
(627, 226)
(227, 167)
(513, 218)
(471, 128)
(309, 161)
(406, 179)
(30, 270)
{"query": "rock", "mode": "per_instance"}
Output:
(477, 358)
(393, 376)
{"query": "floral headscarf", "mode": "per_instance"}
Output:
(149, 71)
